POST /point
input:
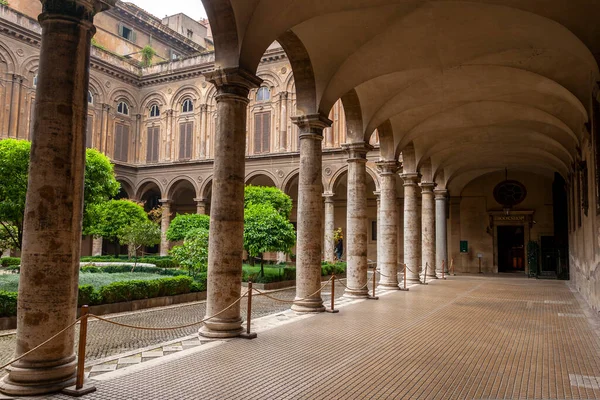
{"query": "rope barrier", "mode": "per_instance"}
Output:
(261, 293)
(145, 328)
(41, 344)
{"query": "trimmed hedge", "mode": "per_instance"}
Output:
(10, 261)
(8, 304)
(117, 269)
(336, 268)
(160, 262)
(136, 290)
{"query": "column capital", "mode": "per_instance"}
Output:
(199, 200)
(377, 194)
(440, 194)
(84, 10)
(427, 187)
(328, 196)
(165, 202)
(312, 124)
(357, 151)
(387, 167)
(410, 178)
(234, 83)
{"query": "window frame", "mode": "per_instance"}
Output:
(183, 106)
(152, 108)
(126, 108)
(263, 89)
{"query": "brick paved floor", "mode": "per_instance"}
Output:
(465, 338)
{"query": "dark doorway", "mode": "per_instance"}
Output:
(511, 249)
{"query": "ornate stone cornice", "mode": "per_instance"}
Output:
(410, 178)
(312, 124)
(387, 167)
(357, 151)
(233, 82)
(84, 10)
(427, 187)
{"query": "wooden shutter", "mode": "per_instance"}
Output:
(89, 131)
(185, 140)
(262, 132)
(117, 142)
(125, 145)
(121, 142)
(152, 144)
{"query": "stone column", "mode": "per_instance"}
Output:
(47, 300)
(411, 226)
(283, 122)
(165, 221)
(356, 221)
(387, 236)
(200, 206)
(203, 134)
(441, 238)
(97, 246)
(227, 202)
(428, 228)
(310, 214)
(329, 227)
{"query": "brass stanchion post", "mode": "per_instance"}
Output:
(425, 275)
(332, 309)
(404, 288)
(373, 297)
(79, 389)
(248, 334)
(452, 266)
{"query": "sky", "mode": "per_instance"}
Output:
(161, 8)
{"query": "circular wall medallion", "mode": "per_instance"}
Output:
(510, 193)
(107, 84)
(164, 181)
(169, 90)
(328, 171)
(204, 85)
(20, 52)
(200, 179)
(280, 173)
(283, 70)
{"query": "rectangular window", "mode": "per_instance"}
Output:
(185, 140)
(190, 33)
(373, 231)
(126, 33)
(121, 149)
(152, 144)
(262, 132)
(89, 132)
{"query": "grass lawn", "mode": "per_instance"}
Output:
(10, 283)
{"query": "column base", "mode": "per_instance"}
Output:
(356, 293)
(432, 276)
(221, 329)
(388, 285)
(308, 306)
(31, 379)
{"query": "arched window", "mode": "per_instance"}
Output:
(154, 111)
(123, 108)
(188, 106)
(90, 97)
(263, 94)
(35, 80)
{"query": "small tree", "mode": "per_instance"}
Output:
(100, 185)
(192, 255)
(181, 226)
(148, 54)
(281, 202)
(266, 230)
(111, 217)
(7, 238)
(138, 235)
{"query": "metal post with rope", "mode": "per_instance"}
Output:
(332, 308)
(404, 288)
(425, 275)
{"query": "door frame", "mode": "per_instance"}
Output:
(522, 218)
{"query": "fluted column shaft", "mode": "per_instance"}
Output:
(165, 221)
(412, 236)
(428, 228)
(441, 238)
(226, 237)
(47, 300)
(387, 237)
(310, 214)
(356, 221)
(329, 227)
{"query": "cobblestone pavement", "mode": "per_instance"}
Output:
(465, 338)
(105, 340)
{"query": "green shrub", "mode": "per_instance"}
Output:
(88, 296)
(8, 304)
(120, 269)
(336, 268)
(10, 261)
(182, 224)
(160, 262)
(137, 290)
(200, 282)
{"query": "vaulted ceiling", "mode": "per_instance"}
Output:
(468, 86)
